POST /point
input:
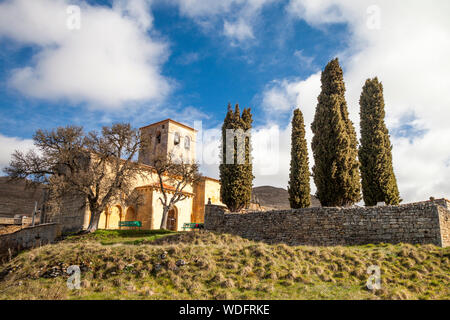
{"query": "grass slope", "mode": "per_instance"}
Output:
(129, 265)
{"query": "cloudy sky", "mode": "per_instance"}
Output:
(142, 61)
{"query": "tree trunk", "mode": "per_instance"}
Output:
(93, 224)
(164, 218)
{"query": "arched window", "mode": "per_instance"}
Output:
(176, 140)
(187, 143)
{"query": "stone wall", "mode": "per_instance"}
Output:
(423, 222)
(145, 210)
(444, 221)
(16, 199)
(205, 190)
(23, 221)
(31, 237)
(71, 213)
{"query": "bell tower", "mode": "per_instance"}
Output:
(168, 137)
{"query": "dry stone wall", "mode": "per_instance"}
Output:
(444, 221)
(424, 223)
(31, 237)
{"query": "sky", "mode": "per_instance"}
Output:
(94, 63)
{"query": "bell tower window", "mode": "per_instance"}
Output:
(187, 143)
(158, 138)
(176, 140)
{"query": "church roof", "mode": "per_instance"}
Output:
(170, 120)
(166, 187)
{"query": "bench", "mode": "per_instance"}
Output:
(130, 224)
(193, 226)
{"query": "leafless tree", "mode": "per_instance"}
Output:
(97, 166)
(174, 176)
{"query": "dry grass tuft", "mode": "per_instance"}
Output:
(219, 266)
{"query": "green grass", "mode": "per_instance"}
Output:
(128, 265)
(110, 237)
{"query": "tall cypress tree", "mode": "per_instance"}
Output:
(236, 178)
(299, 188)
(375, 154)
(336, 168)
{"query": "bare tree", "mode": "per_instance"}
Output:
(174, 176)
(97, 166)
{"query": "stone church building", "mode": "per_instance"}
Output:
(166, 137)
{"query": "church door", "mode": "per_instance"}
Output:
(172, 220)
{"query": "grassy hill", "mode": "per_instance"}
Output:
(129, 265)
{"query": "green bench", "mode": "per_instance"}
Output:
(130, 224)
(193, 226)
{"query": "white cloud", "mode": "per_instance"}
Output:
(209, 13)
(409, 53)
(138, 10)
(111, 60)
(423, 167)
(34, 22)
(200, 8)
(317, 12)
(188, 58)
(239, 30)
(307, 62)
(283, 96)
(10, 144)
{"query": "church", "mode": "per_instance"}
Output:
(165, 137)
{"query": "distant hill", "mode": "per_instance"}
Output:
(276, 198)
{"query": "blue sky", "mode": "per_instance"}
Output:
(209, 71)
(142, 61)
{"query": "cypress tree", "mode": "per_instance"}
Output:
(375, 154)
(334, 145)
(236, 179)
(299, 188)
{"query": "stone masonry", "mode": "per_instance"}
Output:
(11, 244)
(16, 199)
(417, 223)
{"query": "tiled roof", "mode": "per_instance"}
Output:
(165, 186)
(169, 120)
